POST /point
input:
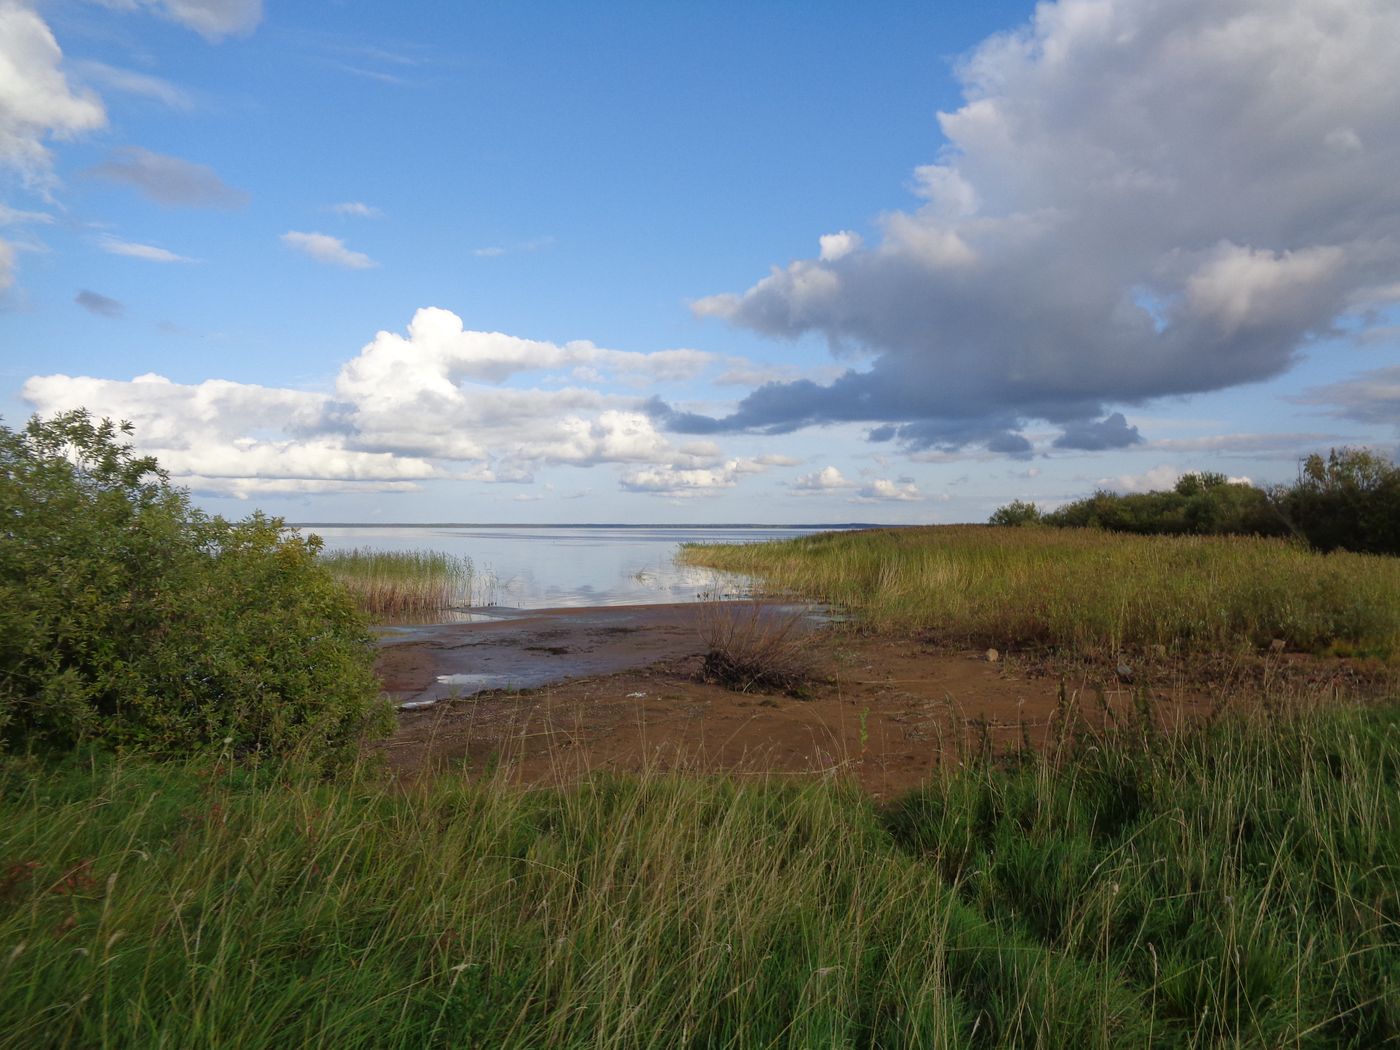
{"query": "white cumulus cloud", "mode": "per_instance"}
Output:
(1135, 200)
(882, 490)
(36, 101)
(824, 480)
(410, 408)
(1157, 479)
(838, 245)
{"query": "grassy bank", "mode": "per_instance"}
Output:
(1086, 589)
(1236, 886)
(390, 584)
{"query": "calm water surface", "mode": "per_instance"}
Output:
(543, 568)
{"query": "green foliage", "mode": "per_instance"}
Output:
(1017, 512)
(129, 616)
(1234, 886)
(1350, 500)
(1203, 504)
(1086, 589)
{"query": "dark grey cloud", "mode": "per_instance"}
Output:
(1137, 200)
(95, 303)
(169, 180)
(1371, 397)
(1110, 432)
(1258, 446)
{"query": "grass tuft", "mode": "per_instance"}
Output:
(753, 647)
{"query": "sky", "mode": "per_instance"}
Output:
(769, 262)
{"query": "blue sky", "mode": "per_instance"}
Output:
(549, 262)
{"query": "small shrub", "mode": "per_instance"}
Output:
(751, 647)
(130, 617)
(1017, 512)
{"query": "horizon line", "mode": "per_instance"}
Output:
(592, 525)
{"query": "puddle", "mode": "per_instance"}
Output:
(427, 664)
(480, 681)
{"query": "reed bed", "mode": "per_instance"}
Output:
(1086, 589)
(1235, 885)
(394, 584)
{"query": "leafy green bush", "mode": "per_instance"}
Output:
(129, 616)
(1202, 504)
(1350, 500)
(1017, 512)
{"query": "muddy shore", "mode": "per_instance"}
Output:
(559, 693)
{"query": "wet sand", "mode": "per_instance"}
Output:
(421, 666)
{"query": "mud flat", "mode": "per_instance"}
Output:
(512, 651)
(565, 692)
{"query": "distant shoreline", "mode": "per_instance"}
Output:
(828, 526)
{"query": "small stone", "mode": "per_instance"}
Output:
(1125, 673)
(993, 656)
(1278, 645)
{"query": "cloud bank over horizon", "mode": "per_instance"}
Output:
(1136, 200)
(430, 404)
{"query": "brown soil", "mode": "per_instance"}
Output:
(884, 710)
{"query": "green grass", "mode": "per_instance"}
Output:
(392, 584)
(1237, 885)
(1087, 590)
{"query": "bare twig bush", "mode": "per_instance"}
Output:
(752, 647)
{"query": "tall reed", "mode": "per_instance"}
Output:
(390, 584)
(1087, 589)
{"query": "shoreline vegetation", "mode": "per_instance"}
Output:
(396, 584)
(195, 850)
(1087, 590)
(1349, 500)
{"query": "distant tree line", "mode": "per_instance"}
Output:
(1348, 500)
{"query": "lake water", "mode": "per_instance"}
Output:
(538, 567)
